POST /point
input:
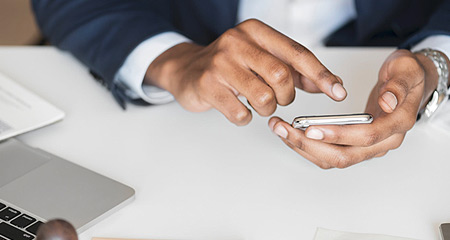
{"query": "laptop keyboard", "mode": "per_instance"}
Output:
(15, 225)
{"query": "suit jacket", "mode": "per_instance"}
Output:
(102, 33)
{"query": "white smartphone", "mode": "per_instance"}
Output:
(303, 122)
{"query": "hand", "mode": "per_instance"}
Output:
(252, 60)
(394, 102)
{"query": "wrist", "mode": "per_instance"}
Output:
(430, 77)
(165, 71)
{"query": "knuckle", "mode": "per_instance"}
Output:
(324, 166)
(337, 135)
(206, 78)
(296, 140)
(299, 49)
(342, 161)
(324, 75)
(371, 138)
(250, 23)
(252, 50)
(401, 86)
(229, 37)
(299, 144)
(265, 99)
(280, 74)
(240, 117)
(219, 58)
(289, 98)
(220, 98)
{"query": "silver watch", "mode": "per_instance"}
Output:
(441, 94)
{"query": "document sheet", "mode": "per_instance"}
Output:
(22, 111)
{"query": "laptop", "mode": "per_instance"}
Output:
(36, 186)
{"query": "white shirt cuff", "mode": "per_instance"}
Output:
(436, 42)
(132, 72)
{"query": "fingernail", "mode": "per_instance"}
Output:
(338, 91)
(271, 124)
(281, 131)
(390, 99)
(314, 134)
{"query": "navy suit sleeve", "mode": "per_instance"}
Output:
(100, 33)
(439, 24)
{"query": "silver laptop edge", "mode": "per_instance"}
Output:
(55, 188)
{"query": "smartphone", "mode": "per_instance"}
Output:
(303, 122)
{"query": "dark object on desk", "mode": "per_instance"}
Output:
(57, 229)
(445, 231)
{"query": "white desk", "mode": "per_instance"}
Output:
(199, 177)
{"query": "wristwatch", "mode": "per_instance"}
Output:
(442, 92)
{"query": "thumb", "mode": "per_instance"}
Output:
(388, 102)
(393, 93)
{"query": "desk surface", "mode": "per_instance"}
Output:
(197, 176)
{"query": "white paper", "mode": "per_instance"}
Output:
(22, 111)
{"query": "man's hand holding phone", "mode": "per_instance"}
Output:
(251, 60)
(394, 103)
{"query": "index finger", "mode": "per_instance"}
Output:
(298, 56)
